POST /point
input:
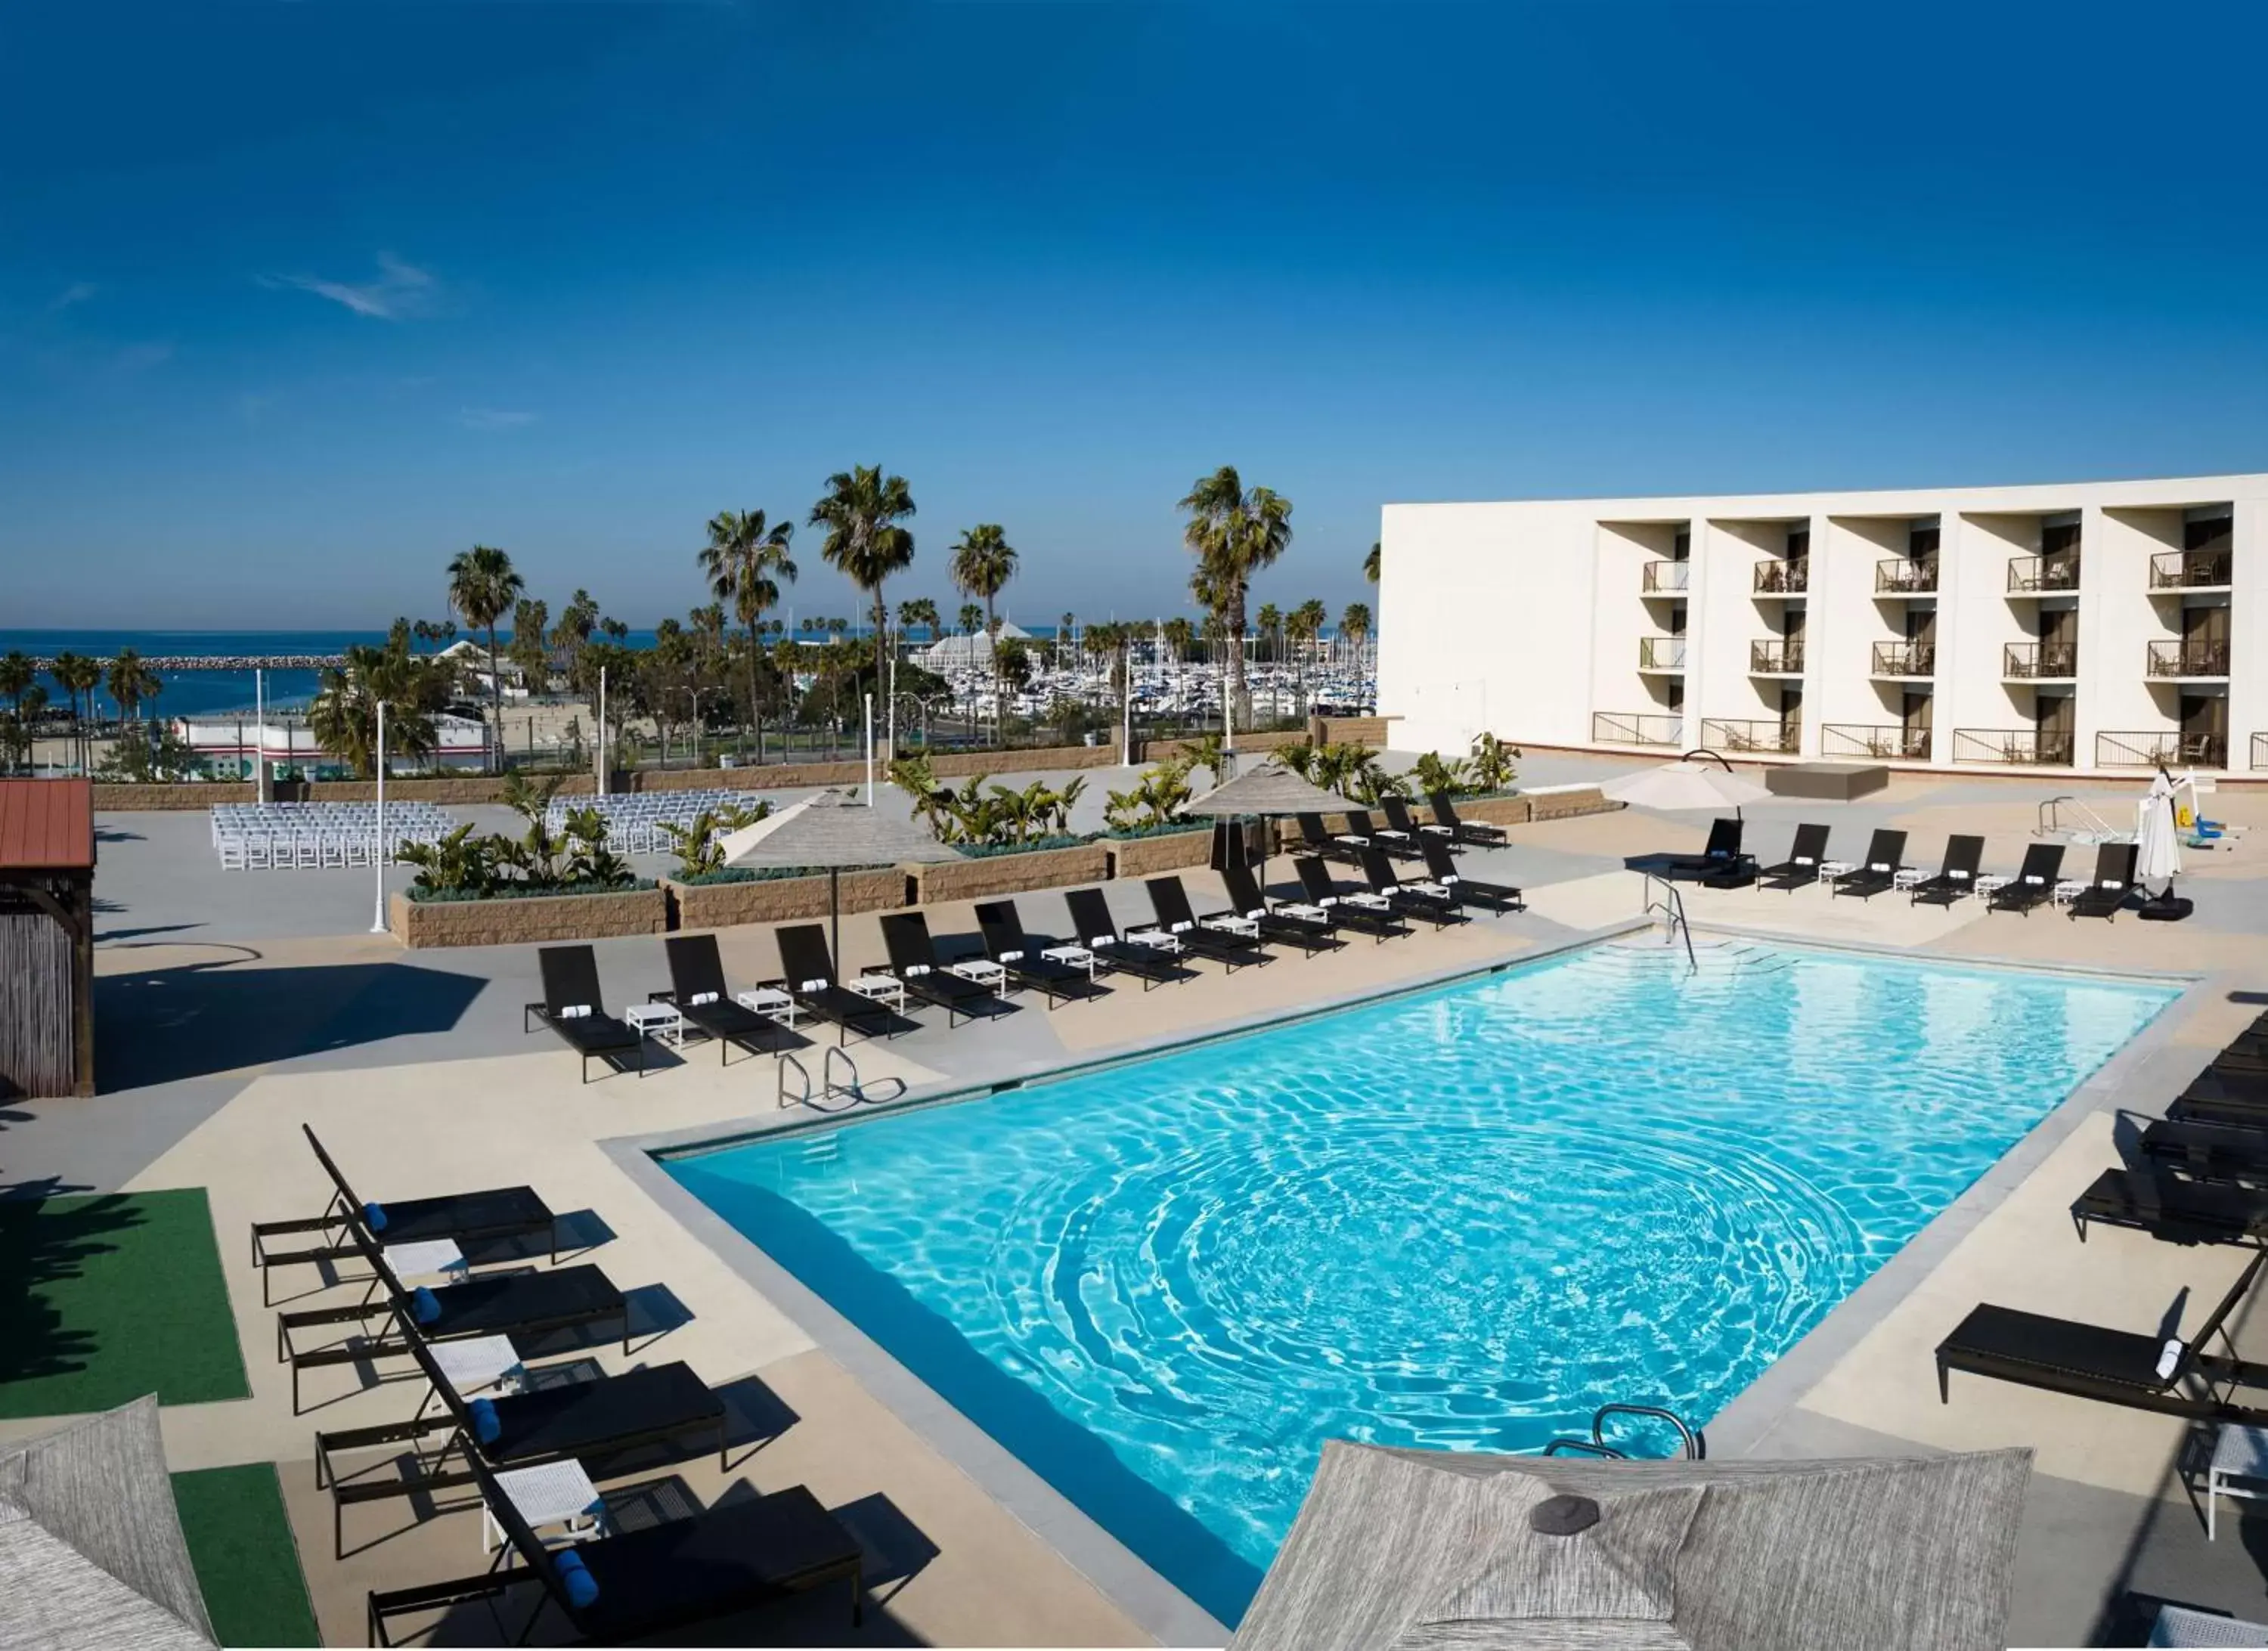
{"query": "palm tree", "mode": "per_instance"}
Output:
(1354, 624)
(745, 560)
(1177, 634)
(75, 674)
(982, 563)
(17, 675)
(1369, 564)
(1234, 532)
(861, 512)
(343, 716)
(1270, 625)
(482, 587)
(130, 683)
(1306, 624)
(1065, 626)
(529, 649)
(920, 611)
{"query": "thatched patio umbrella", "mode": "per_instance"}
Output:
(833, 830)
(1409, 1548)
(1271, 792)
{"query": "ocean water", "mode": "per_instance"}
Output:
(1457, 1220)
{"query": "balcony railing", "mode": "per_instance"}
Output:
(1904, 576)
(2260, 750)
(1637, 727)
(1784, 576)
(1721, 734)
(2188, 658)
(2026, 746)
(1883, 741)
(2190, 569)
(2047, 574)
(1667, 578)
(1661, 653)
(2040, 661)
(1905, 658)
(1777, 657)
(2166, 748)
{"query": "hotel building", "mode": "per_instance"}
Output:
(2100, 628)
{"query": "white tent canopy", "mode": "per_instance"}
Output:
(964, 651)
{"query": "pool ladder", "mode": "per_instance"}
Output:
(1671, 906)
(1691, 1443)
(853, 1092)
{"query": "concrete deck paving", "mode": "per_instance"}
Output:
(233, 1006)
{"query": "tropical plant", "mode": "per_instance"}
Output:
(75, 674)
(982, 563)
(1349, 768)
(1155, 799)
(1369, 564)
(1012, 666)
(1234, 532)
(861, 512)
(1064, 627)
(143, 757)
(1354, 624)
(745, 562)
(920, 611)
(15, 741)
(1434, 773)
(1305, 623)
(459, 863)
(432, 635)
(1269, 621)
(343, 716)
(698, 851)
(1491, 763)
(131, 682)
(17, 675)
(529, 648)
(482, 587)
(1177, 634)
(971, 618)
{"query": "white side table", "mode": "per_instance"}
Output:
(1907, 877)
(2070, 889)
(434, 1256)
(660, 1021)
(1072, 957)
(772, 1002)
(2239, 1469)
(1988, 885)
(1157, 940)
(1829, 870)
(556, 1494)
(883, 989)
(483, 1362)
(1232, 923)
(982, 970)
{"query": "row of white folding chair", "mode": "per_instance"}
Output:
(287, 851)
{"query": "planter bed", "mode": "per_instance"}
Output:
(1165, 851)
(784, 899)
(941, 881)
(538, 918)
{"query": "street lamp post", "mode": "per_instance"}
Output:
(378, 857)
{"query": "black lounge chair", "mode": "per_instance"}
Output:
(1150, 962)
(1956, 877)
(2205, 1150)
(1879, 870)
(654, 1581)
(2034, 883)
(1225, 937)
(1429, 901)
(914, 965)
(1722, 853)
(1397, 810)
(492, 1304)
(1478, 832)
(698, 990)
(493, 1214)
(2117, 1366)
(1026, 960)
(611, 1413)
(1800, 868)
(809, 971)
(2240, 1098)
(1315, 840)
(1364, 912)
(1495, 897)
(1307, 927)
(573, 1009)
(2114, 882)
(1385, 839)
(2169, 1208)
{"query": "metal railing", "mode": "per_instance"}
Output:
(1637, 727)
(2190, 570)
(1670, 906)
(1783, 576)
(2188, 658)
(2165, 747)
(1661, 653)
(1665, 578)
(1884, 742)
(1905, 658)
(2260, 750)
(2028, 748)
(1776, 656)
(1691, 1443)
(2044, 573)
(1904, 576)
(1755, 735)
(2040, 661)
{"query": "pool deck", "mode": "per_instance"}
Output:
(222, 1032)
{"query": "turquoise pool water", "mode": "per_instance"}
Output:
(1461, 1219)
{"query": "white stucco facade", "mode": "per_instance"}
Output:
(2095, 627)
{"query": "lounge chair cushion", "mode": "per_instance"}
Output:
(424, 1306)
(373, 1217)
(575, 1578)
(486, 1427)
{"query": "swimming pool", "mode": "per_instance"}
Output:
(1462, 1219)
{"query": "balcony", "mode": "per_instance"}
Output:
(2260, 750)
(1661, 653)
(1885, 742)
(2190, 570)
(2162, 747)
(1776, 656)
(1789, 576)
(1902, 576)
(2043, 576)
(2040, 661)
(1665, 578)
(2187, 658)
(1905, 658)
(1637, 727)
(2024, 748)
(1719, 734)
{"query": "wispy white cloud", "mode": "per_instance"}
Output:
(493, 418)
(76, 293)
(402, 291)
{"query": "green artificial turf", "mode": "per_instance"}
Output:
(106, 1298)
(247, 1564)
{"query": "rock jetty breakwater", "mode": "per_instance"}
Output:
(230, 662)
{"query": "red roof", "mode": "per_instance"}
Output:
(46, 824)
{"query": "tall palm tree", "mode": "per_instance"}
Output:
(482, 587)
(130, 683)
(17, 675)
(745, 561)
(1304, 625)
(75, 674)
(982, 563)
(920, 611)
(1354, 624)
(343, 716)
(1065, 626)
(1234, 531)
(1270, 625)
(861, 512)
(1369, 564)
(1177, 634)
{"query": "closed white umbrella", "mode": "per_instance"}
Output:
(2157, 843)
(1684, 787)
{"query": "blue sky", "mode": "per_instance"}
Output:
(297, 301)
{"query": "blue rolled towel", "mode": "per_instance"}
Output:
(486, 1427)
(424, 1306)
(575, 1577)
(373, 1217)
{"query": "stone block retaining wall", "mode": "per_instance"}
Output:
(547, 920)
(1167, 851)
(996, 875)
(785, 899)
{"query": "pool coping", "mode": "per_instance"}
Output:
(1131, 1584)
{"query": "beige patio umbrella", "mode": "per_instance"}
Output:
(1269, 792)
(834, 830)
(1684, 785)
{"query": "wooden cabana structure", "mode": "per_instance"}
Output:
(47, 937)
